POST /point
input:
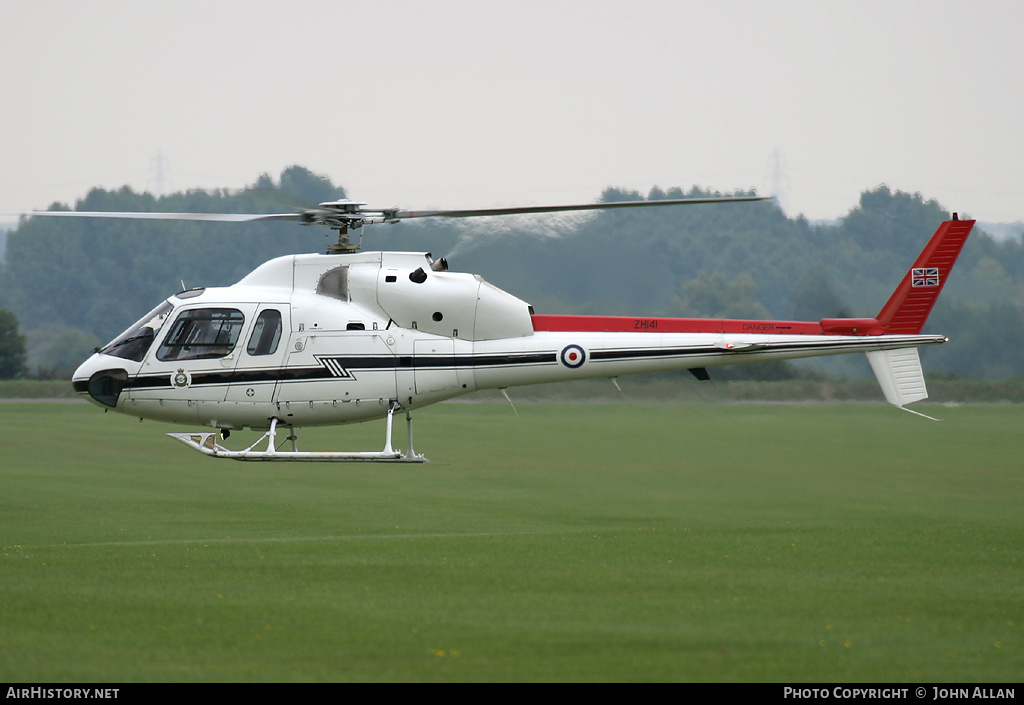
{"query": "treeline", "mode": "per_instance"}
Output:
(74, 284)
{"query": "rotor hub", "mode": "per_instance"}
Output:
(343, 215)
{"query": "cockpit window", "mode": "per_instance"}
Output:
(266, 334)
(202, 333)
(135, 342)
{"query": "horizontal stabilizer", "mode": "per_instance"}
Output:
(899, 374)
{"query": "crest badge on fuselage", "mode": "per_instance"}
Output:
(181, 378)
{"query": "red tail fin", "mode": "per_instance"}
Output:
(907, 309)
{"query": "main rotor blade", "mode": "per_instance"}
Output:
(341, 215)
(400, 214)
(220, 217)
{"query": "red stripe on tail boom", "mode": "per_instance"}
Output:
(904, 313)
(631, 324)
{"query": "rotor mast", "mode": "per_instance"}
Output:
(343, 216)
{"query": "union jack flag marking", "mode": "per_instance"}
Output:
(924, 276)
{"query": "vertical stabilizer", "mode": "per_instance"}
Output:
(907, 309)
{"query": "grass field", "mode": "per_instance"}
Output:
(588, 542)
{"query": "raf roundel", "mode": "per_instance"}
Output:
(573, 356)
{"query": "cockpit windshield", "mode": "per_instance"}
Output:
(134, 343)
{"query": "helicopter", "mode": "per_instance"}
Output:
(348, 336)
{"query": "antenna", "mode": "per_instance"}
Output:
(504, 393)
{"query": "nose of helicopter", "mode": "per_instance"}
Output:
(102, 378)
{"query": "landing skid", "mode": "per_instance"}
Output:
(206, 442)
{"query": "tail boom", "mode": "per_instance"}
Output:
(890, 340)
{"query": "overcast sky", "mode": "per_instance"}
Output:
(445, 103)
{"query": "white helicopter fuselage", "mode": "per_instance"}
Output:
(313, 340)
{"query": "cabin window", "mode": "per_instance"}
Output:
(135, 342)
(202, 333)
(266, 334)
(334, 283)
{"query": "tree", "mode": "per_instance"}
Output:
(716, 296)
(55, 350)
(814, 299)
(303, 183)
(12, 347)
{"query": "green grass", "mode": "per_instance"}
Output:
(598, 542)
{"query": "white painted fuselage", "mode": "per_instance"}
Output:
(317, 340)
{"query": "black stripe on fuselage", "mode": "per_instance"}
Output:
(324, 371)
(648, 353)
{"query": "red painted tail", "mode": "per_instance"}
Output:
(907, 309)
